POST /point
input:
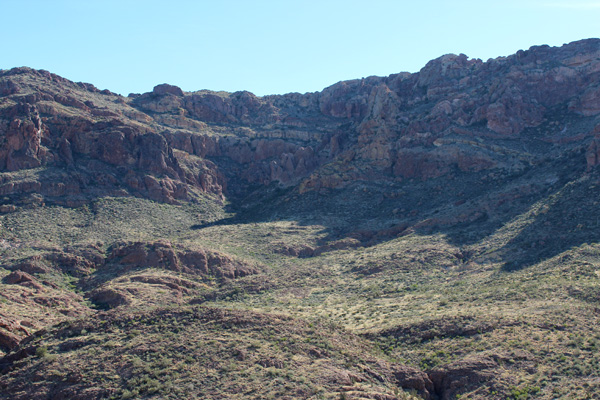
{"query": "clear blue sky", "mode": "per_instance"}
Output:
(270, 47)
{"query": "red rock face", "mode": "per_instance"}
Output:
(23, 135)
(588, 103)
(170, 145)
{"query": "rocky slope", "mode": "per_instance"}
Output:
(443, 215)
(151, 366)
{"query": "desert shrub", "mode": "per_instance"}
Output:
(41, 351)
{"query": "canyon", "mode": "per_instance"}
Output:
(408, 236)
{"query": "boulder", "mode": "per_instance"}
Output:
(165, 88)
(410, 378)
(23, 279)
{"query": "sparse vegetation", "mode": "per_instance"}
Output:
(471, 272)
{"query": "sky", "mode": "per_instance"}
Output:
(271, 46)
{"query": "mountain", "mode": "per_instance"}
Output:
(426, 235)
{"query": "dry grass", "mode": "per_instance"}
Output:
(425, 283)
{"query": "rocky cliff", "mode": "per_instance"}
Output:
(69, 142)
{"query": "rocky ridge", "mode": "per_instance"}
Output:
(455, 115)
(108, 279)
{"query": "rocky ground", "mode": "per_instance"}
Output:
(430, 235)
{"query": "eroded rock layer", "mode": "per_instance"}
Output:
(72, 141)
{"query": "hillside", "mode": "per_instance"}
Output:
(427, 235)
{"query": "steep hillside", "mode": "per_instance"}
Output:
(431, 234)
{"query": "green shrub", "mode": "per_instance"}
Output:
(41, 351)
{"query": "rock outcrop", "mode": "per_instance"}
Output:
(163, 255)
(82, 262)
(451, 380)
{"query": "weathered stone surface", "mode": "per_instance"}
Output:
(109, 298)
(190, 261)
(458, 377)
(452, 379)
(8, 341)
(33, 265)
(71, 264)
(22, 148)
(23, 279)
(165, 88)
(592, 154)
(8, 87)
(11, 333)
(413, 379)
(588, 104)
